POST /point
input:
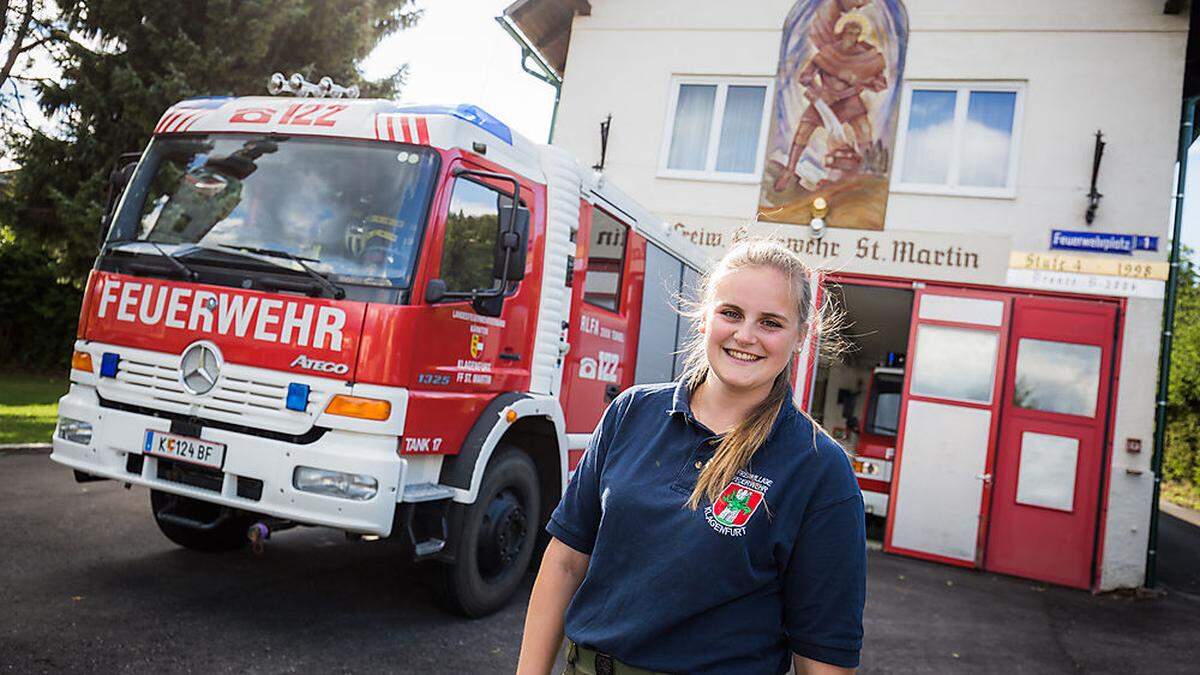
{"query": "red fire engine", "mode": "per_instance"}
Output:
(876, 444)
(391, 320)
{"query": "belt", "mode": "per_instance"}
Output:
(586, 661)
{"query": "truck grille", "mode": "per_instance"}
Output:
(244, 396)
(231, 395)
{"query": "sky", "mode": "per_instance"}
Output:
(457, 53)
(1190, 235)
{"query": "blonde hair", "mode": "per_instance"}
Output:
(739, 444)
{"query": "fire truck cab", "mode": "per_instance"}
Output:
(388, 319)
(877, 427)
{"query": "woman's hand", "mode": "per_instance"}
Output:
(562, 570)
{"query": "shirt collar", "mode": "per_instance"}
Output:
(681, 404)
(680, 401)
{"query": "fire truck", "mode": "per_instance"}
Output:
(393, 320)
(875, 448)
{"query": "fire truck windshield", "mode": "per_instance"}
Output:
(354, 210)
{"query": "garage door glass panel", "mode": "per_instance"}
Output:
(955, 363)
(1047, 474)
(1058, 377)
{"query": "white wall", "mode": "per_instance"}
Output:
(1113, 65)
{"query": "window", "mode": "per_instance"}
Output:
(606, 259)
(954, 363)
(959, 139)
(353, 210)
(1047, 472)
(1057, 377)
(883, 416)
(714, 129)
(472, 224)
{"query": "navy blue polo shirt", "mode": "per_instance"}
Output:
(777, 565)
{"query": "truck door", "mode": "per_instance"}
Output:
(605, 297)
(942, 473)
(1050, 458)
(459, 358)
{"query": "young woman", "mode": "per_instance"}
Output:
(710, 527)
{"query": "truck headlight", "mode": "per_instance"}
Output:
(76, 431)
(335, 483)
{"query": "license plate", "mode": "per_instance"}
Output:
(185, 449)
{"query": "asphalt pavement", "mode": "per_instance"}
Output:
(89, 584)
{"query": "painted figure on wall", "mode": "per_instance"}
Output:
(834, 119)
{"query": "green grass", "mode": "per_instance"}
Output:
(1182, 494)
(29, 407)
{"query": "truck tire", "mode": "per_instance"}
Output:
(495, 537)
(227, 531)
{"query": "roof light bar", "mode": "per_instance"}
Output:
(298, 86)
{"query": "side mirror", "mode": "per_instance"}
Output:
(488, 305)
(118, 180)
(435, 290)
(511, 244)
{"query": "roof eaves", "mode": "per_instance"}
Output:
(547, 26)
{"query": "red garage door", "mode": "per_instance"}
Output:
(1051, 451)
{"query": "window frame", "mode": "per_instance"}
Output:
(710, 173)
(621, 276)
(459, 296)
(962, 89)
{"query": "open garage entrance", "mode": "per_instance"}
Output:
(857, 397)
(977, 422)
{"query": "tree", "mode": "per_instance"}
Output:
(29, 26)
(1182, 457)
(124, 62)
(32, 33)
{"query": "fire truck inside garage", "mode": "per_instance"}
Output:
(856, 393)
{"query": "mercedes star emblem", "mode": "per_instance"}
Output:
(199, 368)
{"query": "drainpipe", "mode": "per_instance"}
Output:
(1164, 359)
(544, 72)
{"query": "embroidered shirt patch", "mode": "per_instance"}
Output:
(737, 503)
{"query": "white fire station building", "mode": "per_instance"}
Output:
(1005, 348)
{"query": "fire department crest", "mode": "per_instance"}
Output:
(476, 346)
(737, 503)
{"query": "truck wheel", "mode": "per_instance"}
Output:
(225, 531)
(495, 537)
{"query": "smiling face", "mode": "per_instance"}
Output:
(751, 326)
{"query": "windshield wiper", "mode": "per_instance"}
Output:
(336, 291)
(188, 273)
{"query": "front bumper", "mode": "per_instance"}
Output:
(116, 434)
(875, 503)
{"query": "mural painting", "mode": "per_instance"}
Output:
(833, 125)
